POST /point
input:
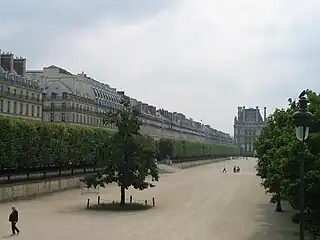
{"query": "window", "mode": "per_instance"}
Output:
(27, 109)
(87, 119)
(38, 111)
(63, 117)
(38, 97)
(73, 105)
(63, 105)
(8, 107)
(64, 95)
(52, 117)
(8, 89)
(90, 120)
(77, 107)
(73, 117)
(15, 107)
(32, 96)
(32, 110)
(52, 105)
(80, 118)
(53, 95)
(1, 88)
(27, 95)
(77, 118)
(21, 108)
(15, 92)
(21, 93)
(1, 105)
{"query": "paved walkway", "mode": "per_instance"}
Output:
(199, 203)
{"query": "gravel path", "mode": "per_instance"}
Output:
(199, 203)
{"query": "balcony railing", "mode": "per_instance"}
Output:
(19, 97)
(72, 109)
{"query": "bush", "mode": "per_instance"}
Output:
(183, 149)
(24, 143)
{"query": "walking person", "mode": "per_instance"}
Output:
(13, 218)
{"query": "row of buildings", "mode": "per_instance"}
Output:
(54, 94)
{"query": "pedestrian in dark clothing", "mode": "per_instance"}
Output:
(224, 169)
(13, 218)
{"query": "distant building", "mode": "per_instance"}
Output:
(247, 128)
(74, 98)
(19, 95)
(79, 99)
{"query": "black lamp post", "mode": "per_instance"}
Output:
(302, 120)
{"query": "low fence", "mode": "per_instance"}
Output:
(20, 175)
(150, 202)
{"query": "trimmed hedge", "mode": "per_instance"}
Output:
(183, 149)
(24, 143)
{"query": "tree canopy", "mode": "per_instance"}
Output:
(129, 156)
(279, 153)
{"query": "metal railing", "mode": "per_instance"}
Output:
(20, 175)
(20, 97)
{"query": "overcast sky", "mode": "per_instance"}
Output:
(199, 57)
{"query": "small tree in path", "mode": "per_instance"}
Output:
(129, 156)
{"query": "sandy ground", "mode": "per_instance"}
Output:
(198, 203)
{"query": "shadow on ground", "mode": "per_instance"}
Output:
(274, 225)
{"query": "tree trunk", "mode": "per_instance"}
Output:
(279, 207)
(122, 195)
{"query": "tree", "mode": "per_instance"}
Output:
(279, 154)
(273, 155)
(129, 156)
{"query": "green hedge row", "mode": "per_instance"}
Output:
(24, 143)
(179, 149)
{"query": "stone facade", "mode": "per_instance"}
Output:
(247, 127)
(19, 95)
(79, 99)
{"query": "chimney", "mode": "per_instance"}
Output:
(264, 114)
(257, 114)
(239, 113)
(7, 62)
(19, 65)
(243, 114)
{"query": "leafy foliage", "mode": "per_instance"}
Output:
(130, 157)
(279, 154)
(24, 143)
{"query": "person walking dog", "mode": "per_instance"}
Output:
(13, 218)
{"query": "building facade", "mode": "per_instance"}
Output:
(247, 128)
(79, 99)
(20, 96)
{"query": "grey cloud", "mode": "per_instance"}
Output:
(37, 23)
(204, 66)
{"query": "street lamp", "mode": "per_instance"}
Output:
(302, 120)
